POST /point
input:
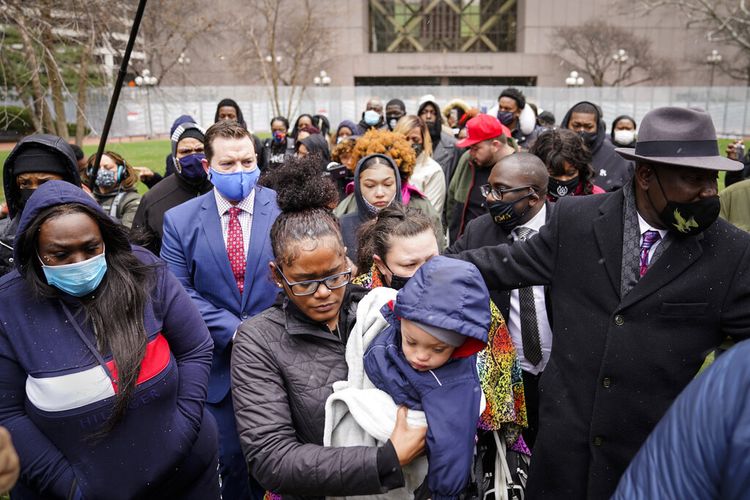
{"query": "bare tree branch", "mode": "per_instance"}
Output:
(287, 43)
(592, 46)
(723, 21)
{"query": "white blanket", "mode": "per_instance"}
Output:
(359, 414)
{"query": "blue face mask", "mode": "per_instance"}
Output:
(372, 117)
(235, 186)
(191, 167)
(77, 279)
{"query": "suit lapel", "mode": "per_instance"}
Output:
(680, 254)
(260, 231)
(608, 229)
(211, 225)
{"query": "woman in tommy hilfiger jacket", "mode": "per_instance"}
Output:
(104, 362)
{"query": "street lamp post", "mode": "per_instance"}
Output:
(183, 61)
(146, 80)
(322, 80)
(713, 59)
(574, 80)
(620, 57)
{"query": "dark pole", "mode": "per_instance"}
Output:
(116, 93)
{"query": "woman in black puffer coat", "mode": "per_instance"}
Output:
(285, 359)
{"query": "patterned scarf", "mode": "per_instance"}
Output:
(499, 372)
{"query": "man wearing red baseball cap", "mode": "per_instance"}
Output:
(487, 140)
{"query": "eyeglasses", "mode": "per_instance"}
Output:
(309, 287)
(187, 151)
(498, 193)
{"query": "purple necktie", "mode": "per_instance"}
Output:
(649, 238)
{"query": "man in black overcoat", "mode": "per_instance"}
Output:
(644, 283)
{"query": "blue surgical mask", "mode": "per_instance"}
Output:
(191, 166)
(78, 279)
(372, 117)
(234, 186)
(105, 178)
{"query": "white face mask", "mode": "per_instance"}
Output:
(624, 137)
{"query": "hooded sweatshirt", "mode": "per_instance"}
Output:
(316, 144)
(13, 195)
(58, 390)
(351, 222)
(611, 171)
(451, 295)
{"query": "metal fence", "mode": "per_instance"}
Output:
(151, 111)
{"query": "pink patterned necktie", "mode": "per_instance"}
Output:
(236, 248)
(649, 238)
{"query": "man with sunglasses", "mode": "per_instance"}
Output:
(515, 196)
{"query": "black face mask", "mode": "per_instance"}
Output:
(588, 138)
(557, 189)
(397, 282)
(688, 219)
(504, 214)
(418, 148)
(23, 197)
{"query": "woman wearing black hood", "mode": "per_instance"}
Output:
(313, 145)
(377, 184)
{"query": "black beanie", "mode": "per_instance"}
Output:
(35, 158)
(194, 133)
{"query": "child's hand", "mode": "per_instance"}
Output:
(407, 441)
(9, 465)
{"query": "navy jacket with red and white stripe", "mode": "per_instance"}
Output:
(56, 391)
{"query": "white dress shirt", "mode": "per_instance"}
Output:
(514, 316)
(245, 216)
(643, 226)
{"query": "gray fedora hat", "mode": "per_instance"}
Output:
(683, 137)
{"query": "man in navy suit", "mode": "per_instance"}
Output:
(218, 246)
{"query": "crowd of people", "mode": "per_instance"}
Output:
(437, 304)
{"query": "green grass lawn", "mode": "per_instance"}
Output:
(151, 154)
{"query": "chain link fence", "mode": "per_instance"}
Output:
(151, 111)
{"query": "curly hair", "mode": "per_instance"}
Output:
(555, 147)
(343, 148)
(306, 199)
(388, 143)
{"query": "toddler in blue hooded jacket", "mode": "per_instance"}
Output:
(425, 359)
